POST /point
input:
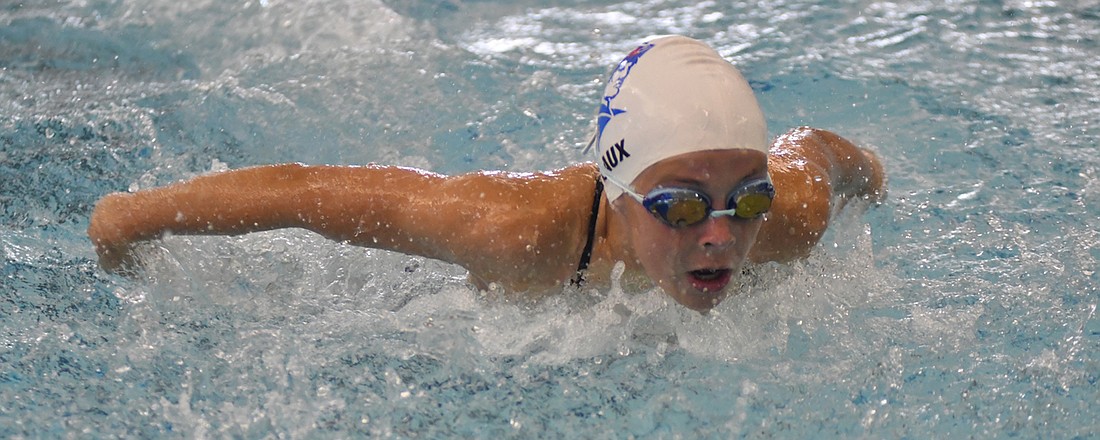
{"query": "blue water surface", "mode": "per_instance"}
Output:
(965, 306)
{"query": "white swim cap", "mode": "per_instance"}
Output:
(673, 95)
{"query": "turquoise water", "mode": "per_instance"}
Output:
(965, 306)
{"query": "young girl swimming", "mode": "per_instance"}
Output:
(685, 190)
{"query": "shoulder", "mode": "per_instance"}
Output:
(803, 196)
(533, 226)
(527, 182)
(814, 172)
(544, 210)
(802, 147)
(800, 167)
(848, 170)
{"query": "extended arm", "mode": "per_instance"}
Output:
(480, 220)
(247, 200)
(815, 173)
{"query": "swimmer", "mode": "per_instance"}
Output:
(685, 190)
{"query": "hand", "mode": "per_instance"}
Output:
(107, 232)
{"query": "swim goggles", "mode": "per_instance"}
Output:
(682, 207)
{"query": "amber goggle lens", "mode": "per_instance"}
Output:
(680, 207)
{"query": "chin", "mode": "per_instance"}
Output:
(703, 290)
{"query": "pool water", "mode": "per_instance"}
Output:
(965, 306)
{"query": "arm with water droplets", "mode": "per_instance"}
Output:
(341, 203)
(225, 203)
(815, 173)
(482, 221)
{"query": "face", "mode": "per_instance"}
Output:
(694, 264)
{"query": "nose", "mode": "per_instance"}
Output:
(716, 232)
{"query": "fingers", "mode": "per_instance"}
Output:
(106, 233)
(116, 258)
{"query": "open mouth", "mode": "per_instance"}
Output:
(710, 280)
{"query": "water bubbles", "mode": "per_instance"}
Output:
(218, 166)
(294, 327)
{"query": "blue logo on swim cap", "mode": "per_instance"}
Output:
(616, 83)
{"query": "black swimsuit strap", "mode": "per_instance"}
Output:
(586, 256)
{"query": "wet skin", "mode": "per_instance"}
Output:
(521, 231)
(694, 264)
